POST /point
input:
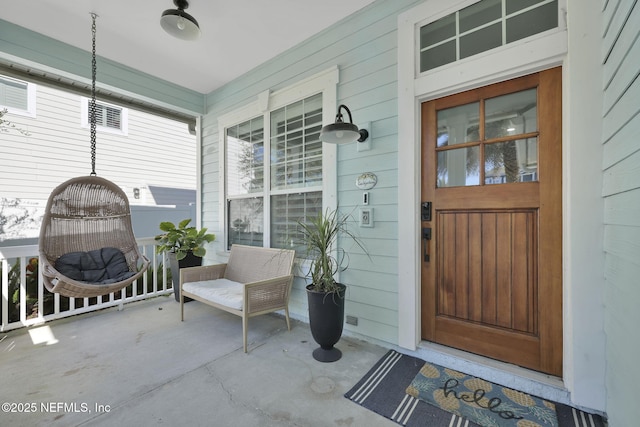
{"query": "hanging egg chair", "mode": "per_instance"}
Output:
(87, 246)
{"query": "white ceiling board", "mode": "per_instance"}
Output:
(237, 35)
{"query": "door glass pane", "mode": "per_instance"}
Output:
(479, 14)
(246, 221)
(459, 167)
(511, 114)
(532, 22)
(511, 161)
(453, 124)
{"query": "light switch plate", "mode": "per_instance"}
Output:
(366, 217)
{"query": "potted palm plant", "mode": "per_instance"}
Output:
(185, 246)
(324, 294)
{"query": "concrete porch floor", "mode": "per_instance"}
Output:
(142, 366)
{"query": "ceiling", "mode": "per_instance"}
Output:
(237, 35)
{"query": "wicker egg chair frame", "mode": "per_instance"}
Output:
(85, 214)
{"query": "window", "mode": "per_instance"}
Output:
(275, 166)
(293, 163)
(17, 96)
(109, 117)
(482, 26)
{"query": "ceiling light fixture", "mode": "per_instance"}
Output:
(179, 23)
(341, 132)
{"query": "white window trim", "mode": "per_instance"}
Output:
(31, 100)
(515, 59)
(324, 82)
(124, 118)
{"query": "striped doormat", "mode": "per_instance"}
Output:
(383, 390)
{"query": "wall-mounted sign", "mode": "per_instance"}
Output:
(366, 181)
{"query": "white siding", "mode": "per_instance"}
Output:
(364, 47)
(156, 151)
(621, 190)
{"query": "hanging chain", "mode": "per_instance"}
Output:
(92, 104)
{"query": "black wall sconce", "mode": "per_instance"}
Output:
(341, 132)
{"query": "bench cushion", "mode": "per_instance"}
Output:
(220, 291)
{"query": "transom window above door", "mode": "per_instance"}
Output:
(489, 141)
(483, 26)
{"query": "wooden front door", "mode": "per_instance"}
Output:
(492, 221)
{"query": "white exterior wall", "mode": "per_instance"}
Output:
(154, 151)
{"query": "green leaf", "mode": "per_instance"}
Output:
(184, 223)
(167, 226)
(199, 251)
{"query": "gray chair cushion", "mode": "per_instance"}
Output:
(100, 266)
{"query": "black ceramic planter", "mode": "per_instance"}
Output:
(189, 261)
(326, 318)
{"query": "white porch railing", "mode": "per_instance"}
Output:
(26, 302)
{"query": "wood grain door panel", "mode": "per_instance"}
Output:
(493, 282)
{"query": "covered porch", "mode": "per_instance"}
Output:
(141, 366)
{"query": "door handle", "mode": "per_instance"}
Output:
(426, 237)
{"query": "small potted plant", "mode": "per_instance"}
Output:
(185, 246)
(324, 294)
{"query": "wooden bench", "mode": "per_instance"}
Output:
(254, 281)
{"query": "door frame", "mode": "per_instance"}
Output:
(500, 64)
(583, 266)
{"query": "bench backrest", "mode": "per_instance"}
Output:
(250, 263)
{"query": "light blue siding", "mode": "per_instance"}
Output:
(31, 46)
(364, 47)
(621, 190)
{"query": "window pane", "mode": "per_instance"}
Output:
(459, 167)
(511, 161)
(453, 124)
(438, 56)
(245, 157)
(535, 21)
(481, 40)
(438, 31)
(296, 149)
(516, 5)
(13, 93)
(479, 14)
(437, 45)
(511, 114)
(113, 117)
(286, 211)
(245, 221)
